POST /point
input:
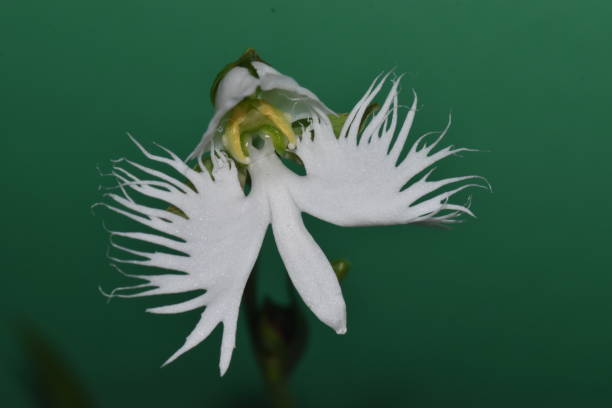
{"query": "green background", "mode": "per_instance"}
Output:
(513, 308)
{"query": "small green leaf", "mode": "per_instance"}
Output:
(369, 112)
(341, 268)
(337, 122)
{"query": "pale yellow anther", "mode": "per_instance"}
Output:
(231, 137)
(278, 119)
(252, 115)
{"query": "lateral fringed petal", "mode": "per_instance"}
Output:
(361, 178)
(216, 242)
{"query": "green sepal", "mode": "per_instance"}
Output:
(341, 268)
(337, 121)
(369, 112)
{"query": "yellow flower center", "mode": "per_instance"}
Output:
(255, 116)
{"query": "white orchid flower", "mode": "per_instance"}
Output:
(248, 94)
(357, 178)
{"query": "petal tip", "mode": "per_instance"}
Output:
(176, 355)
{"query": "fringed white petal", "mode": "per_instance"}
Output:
(359, 178)
(216, 244)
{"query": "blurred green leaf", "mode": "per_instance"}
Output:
(53, 383)
(337, 121)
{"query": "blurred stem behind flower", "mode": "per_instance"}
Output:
(279, 334)
(51, 379)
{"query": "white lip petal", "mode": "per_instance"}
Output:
(307, 265)
(308, 268)
(218, 242)
(357, 178)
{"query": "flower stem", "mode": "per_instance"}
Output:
(277, 335)
(279, 394)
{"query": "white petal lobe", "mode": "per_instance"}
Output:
(359, 178)
(216, 244)
(307, 266)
